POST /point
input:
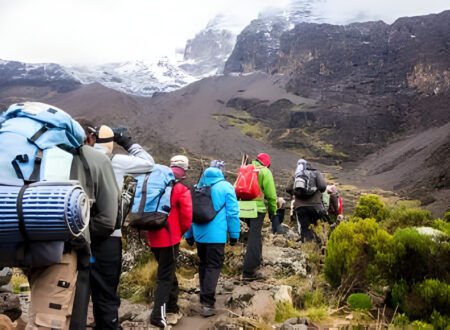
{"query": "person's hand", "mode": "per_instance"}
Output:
(190, 241)
(123, 139)
(233, 241)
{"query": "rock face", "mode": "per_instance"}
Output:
(206, 53)
(49, 74)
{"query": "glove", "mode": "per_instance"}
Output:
(233, 241)
(123, 139)
(190, 241)
(275, 223)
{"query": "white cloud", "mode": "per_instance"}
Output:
(99, 31)
(346, 11)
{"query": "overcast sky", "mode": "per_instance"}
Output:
(99, 31)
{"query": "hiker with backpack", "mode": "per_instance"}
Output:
(307, 187)
(165, 245)
(106, 260)
(41, 150)
(216, 216)
(333, 204)
(255, 184)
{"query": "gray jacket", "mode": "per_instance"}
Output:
(316, 199)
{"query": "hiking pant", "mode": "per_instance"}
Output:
(104, 278)
(166, 293)
(212, 256)
(82, 295)
(307, 216)
(52, 294)
(253, 255)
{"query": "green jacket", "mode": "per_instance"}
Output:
(267, 186)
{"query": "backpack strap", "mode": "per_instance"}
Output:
(144, 195)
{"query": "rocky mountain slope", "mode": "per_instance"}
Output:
(339, 94)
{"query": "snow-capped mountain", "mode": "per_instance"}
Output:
(136, 77)
(206, 53)
(13, 72)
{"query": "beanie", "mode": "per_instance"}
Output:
(105, 137)
(180, 161)
(220, 164)
(264, 159)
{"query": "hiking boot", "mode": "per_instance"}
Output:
(159, 323)
(252, 277)
(173, 318)
(207, 311)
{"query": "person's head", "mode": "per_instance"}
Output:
(264, 159)
(105, 138)
(90, 129)
(220, 164)
(331, 189)
(179, 165)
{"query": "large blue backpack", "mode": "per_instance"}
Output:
(151, 204)
(40, 207)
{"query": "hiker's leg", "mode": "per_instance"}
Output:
(172, 304)
(202, 255)
(164, 280)
(305, 221)
(82, 296)
(52, 294)
(215, 254)
(252, 259)
(105, 275)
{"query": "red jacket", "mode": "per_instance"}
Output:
(179, 221)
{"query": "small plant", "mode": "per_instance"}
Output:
(359, 302)
(285, 310)
(401, 320)
(139, 282)
(315, 298)
(17, 280)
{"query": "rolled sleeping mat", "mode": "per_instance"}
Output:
(52, 211)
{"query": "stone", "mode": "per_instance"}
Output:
(284, 294)
(10, 305)
(240, 297)
(5, 276)
(262, 307)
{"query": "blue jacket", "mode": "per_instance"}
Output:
(227, 220)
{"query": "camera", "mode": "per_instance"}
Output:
(119, 131)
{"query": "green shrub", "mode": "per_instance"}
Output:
(435, 295)
(359, 302)
(416, 256)
(370, 206)
(355, 252)
(314, 298)
(401, 320)
(447, 216)
(441, 225)
(285, 310)
(439, 321)
(137, 284)
(403, 216)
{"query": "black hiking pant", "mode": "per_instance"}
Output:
(253, 255)
(212, 256)
(104, 278)
(166, 293)
(307, 217)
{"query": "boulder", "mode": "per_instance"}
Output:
(284, 294)
(262, 307)
(5, 276)
(10, 305)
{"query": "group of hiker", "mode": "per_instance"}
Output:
(124, 185)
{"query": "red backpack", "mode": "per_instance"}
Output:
(246, 185)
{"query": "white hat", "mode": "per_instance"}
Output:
(180, 161)
(105, 137)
